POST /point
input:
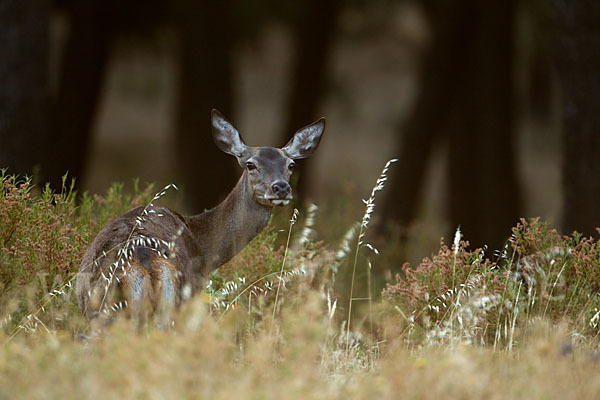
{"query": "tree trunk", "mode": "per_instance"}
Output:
(577, 58)
(206, 74)
(24, 98)
(313, 38)
(466, 99)
(484, 195)
(82, 72)
(425, 127)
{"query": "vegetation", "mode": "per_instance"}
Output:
(465, 323)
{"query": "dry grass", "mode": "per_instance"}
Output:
(522, 324)
(203, 358)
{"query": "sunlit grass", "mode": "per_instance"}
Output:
(465, 323)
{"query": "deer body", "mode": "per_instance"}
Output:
(153, 259)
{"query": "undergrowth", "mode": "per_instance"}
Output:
(43, 236)
(464, 295)
(521, 322)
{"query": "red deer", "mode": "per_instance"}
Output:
(152, 258)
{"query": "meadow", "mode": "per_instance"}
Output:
(299, 315)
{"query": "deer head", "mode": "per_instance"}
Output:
(268, 169)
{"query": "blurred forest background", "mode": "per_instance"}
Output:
(491, 107)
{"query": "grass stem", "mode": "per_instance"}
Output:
(287, 245)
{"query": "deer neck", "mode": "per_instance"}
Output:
(223, 231)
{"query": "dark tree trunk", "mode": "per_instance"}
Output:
(577, 58)
(484, 195)
(438, 85)
(24, 99)
(466, 100)
(206, 75)
(541, 93)
(82, 73)
(313, 38)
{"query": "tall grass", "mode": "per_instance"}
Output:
(42, 238)
(464, 323)
(461, 295)
(280, 280)
(369, 209)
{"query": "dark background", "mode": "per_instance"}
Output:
(492, 107)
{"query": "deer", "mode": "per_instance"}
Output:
(149, 259)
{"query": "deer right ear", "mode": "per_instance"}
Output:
(226, 136)
(305, 141)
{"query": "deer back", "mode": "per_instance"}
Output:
(140, 261)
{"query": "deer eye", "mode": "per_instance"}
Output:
(292, 165)
(250, 166)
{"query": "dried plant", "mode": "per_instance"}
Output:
(370, 207)
(438, 330)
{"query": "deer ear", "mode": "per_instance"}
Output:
(226, 136)
(305, 141)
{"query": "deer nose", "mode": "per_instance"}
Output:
(281, 189)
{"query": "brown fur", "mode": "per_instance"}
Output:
(200, 244)
(152, 258)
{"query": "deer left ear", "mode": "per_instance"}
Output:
(226, 137)
(305, 141)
